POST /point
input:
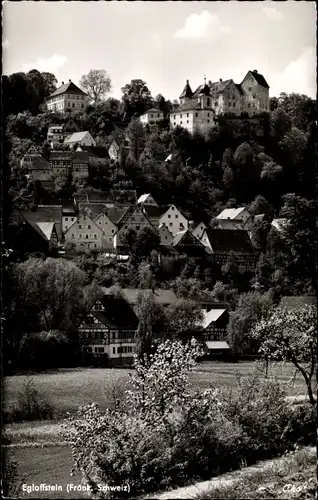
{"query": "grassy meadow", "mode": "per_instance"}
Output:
(66, 389)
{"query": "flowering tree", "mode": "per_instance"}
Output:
(291, 335)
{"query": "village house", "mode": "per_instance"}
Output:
(94, 152)
(199, 110)
(68, 97)
(31, 154)
(108, 331)
(159, 295)
(108, 227)
(55, 135)
(165, 236)
(152, 117)
(33, 235)
(214, 326)
(37, 166)
(83, 234)
(233, 218)
(151, 208)
(199, 230)
(187, 244)
(70, 127)
(174, 220)
(80, 165)
(224, 245)
(81, 138)
(134, 218)
(61, 162)
(69, 216)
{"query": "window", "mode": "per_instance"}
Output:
(208, 121)
(95, 236)
(99, 349)
(170, 223)
(174, 117)
(187, 121)
(208, 114)
(174, 123)
(95, 245)
(73, 236)
(172, 208)
(215, 103)
(151, 116)
(248, 105)
(86, 236)
(119, 350)
(208, 102)
(169, 216)
(73, 105)
(114, 350)
(72, 219)
(158, 115)
(234, 105)
(82, 105)
(88, 227)
(180, 122)
(187, 115)
(176, 216)
(84, 217)
(180, 116)
(249, 88)
(113, 230)
(197, 114)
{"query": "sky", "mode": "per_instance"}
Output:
(165, 43)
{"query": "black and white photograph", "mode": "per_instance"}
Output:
(159, 243)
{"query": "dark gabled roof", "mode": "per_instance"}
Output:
(260, 79)
(229, 240)
(297, 302)
(219, 87)
(239, 88)
(152, 211)
(37, 230)
(45, 213)
(116, 213)
(190, 105)
(92, 209)
(39, 163)
(69, 88)
(80, 157)
(97, 151)
(160, 296)
(116, 313)
(187, 92)
(61, 155)
(202, 89)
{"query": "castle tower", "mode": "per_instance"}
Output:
(186, 93)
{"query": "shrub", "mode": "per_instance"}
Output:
(30, 405)
(168, 435)
(43, 350)
(10, 481)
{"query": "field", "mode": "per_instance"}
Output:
(65, 389)
(39, 446)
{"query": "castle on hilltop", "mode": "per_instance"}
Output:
(199, 110)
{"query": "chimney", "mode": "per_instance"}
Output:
(62, 83)
(220, 80)
(70, 80)
(255, 70)
(209, 82)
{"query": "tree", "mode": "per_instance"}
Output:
(96, 84)
(147, 240)
(301, 109)
(136, 98)
(184, 320)
(251, 307)
(50, 289)
(151, 323)
(280, 123)
(300, 238)
(291, 335)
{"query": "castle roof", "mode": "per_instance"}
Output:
(260, 79)
(69, 88)
(187, 92)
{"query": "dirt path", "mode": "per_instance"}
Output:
(191, 492)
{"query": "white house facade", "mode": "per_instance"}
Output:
(174, 220)
(68, 97)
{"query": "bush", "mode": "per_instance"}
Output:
(166, 435)
(43, 350)
(30, 405)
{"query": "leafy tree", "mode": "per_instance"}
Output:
(291, 335)
(151, 323)
(300, 237)
(136, 98)
(184, 320)
(261, 206)
(251, 308)
(301, 109)
(96, 84)
(280, 123)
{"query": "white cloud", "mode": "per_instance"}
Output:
(299, 76)
(50, 64)
(6, 43)
(272, 13)
(203, 25)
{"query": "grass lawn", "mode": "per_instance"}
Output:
(50, 465)
(65, 389)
